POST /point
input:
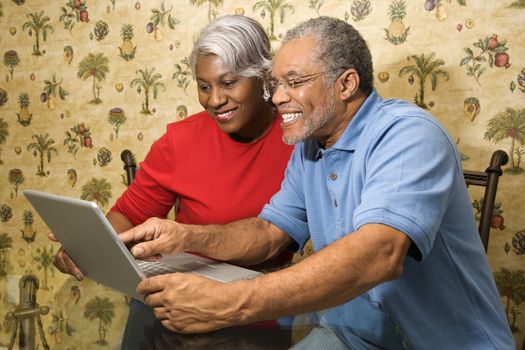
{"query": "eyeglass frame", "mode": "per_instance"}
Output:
(296, 81)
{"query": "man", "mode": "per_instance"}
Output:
(378, 187)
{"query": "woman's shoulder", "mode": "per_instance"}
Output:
(196, 123)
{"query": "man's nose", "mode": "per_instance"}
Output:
(280, 95)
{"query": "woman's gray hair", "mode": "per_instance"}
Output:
(338, 47)
(239, 41)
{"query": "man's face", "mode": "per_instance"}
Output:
(300, 94)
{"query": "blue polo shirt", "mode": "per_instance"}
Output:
(396, 165)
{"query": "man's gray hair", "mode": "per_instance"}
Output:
(339, 46)
(239, 41)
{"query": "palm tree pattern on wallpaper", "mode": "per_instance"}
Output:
(81, 80)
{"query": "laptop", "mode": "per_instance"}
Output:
(95, 247)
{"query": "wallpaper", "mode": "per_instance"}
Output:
(82, 80)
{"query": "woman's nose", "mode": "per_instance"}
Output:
(217, 98)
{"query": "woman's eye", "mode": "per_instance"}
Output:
(228, 84)
(204, 87)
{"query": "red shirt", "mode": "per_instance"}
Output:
(216, 179)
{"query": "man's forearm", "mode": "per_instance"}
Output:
(336, 274)
(248, 242)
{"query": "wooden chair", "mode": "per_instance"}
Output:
(489, 179)
(129, 165)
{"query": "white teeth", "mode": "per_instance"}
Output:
(288, 117)
(225, 114)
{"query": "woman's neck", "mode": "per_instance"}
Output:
(258, 127)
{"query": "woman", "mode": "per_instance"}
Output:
(222, 164)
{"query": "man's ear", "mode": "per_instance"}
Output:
(348, 83)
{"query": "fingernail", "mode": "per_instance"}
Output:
(138, 251)
(78, 276)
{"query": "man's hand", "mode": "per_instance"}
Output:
(189, 303)
(64, 263)
(154, 237)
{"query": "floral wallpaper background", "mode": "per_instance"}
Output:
(82, 80)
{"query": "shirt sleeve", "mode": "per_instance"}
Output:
(149, 194)
(408, 183)
(287, 208)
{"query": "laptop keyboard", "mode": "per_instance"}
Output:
(154, 268)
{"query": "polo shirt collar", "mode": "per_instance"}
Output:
(350, 137)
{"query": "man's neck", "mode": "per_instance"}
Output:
(344, 113)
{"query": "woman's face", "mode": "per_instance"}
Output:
(234, 102)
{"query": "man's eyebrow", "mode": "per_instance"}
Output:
(289, 74)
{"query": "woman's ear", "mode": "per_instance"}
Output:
(348, 83)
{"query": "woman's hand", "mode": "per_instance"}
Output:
(64, 263)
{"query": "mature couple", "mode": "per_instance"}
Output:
(376, 185)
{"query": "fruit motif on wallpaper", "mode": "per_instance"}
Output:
(397, 32)
(72, 177)
(127, 50)
(159, 19)
(359, 10)
(4, 132)
(6, 213)
(101, 310)
(383, 76)
(182, 74)
(491, 50)
(181, 112)
(52, 89)
(66, 301)
(73, 12)
(78, 136)
(95, 67)
(43, 259)
(518, 242)
(273, 7)
(104, 156)
(471, 108)
(116, 117)
(68, 54)
(441, 10)
(6, 243)
(97, 190)
(11, 60)
(520, 80)
(15, 178)
(509, 124)
(28, 232)
(213, 5)
(496, 221)
(4, 97)
(19, 2)
(39, 26)
(510, 286)
(101, 30)
(149, 82)
(42, 147)
(425, 67)
(24, 116)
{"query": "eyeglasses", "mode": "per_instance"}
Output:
(293, 81)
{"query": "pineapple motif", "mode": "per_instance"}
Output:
(127, 50)
(24, 116)
(28, 233)
(397, 32)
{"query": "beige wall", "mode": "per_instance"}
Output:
(87, 164)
